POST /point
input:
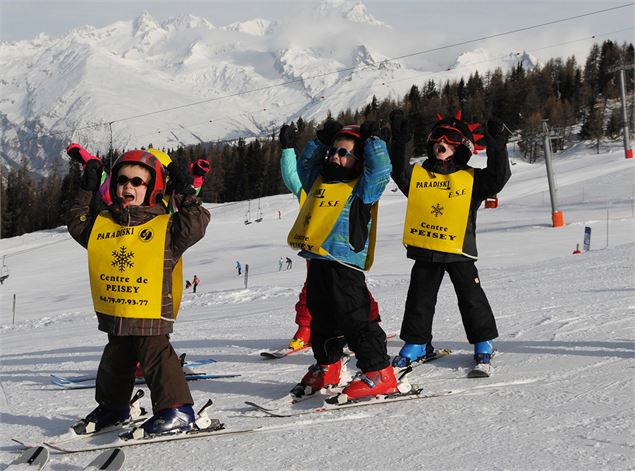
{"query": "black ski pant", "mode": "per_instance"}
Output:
(425, 280)
(161, 369)
(338, 299)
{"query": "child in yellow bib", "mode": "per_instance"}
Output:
(344, 172)
(133, 247)
(444, 193)
(289, 171)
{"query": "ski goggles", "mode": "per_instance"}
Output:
(450, 135)
(341, 152)
(134, 181)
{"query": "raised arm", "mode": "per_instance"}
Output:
(376, 174)
(493, 178)
(401, 168)
(288, 160)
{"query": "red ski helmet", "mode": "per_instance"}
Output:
(147, 159)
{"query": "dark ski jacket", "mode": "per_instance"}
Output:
(487, 182)
(185, 228)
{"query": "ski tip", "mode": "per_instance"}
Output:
(35, 457)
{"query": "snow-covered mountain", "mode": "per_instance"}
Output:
(186, 80)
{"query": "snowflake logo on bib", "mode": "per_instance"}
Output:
(122, 259)
(437, 210)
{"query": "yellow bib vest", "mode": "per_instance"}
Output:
(125, 266)
(318, 215)
(438, 209)
(302, 197)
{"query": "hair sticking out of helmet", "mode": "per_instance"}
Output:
(149, 160)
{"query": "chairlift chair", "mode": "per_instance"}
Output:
(248, 214)
(259, 218)
(4, 271)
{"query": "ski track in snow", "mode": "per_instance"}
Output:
(560, 397)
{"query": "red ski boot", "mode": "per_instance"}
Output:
(372, 383)
(318, 377)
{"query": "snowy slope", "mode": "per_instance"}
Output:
(245, 79)
(560, 398)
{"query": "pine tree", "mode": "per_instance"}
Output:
(614, 124)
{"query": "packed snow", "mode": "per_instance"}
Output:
(560, 398)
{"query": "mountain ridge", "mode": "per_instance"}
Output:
(218, 82)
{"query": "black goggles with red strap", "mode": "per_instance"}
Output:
(448, 134)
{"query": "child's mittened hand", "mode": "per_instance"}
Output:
(200, 168)
(287, 136)
(327, 134)
(496, 133)
(181, 178)
(79, 154)
(369, 129)
(399, 126)
(91, 178)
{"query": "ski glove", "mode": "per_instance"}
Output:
(327, 134)
(399, 126)
(91, 179)
(369, 129)
(287, 136)
(496, 134)
(198, 170)
(81, 155)
(180, 178)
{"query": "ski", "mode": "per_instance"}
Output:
(282, 352)
(32, 458)
(434, 356)
(414, 394)
(90, 383)
(109, 460)
(83, 429)
(482, 370)
(286, 351)
(187, 369)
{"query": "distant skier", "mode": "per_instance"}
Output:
(280, 263)
(289, 264)
(238, 267)
(195, 282)
(137, 330)
(444, 194)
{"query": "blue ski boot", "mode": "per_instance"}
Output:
(483, 352)
(170, 421)
(100, 418)
(412, 352)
